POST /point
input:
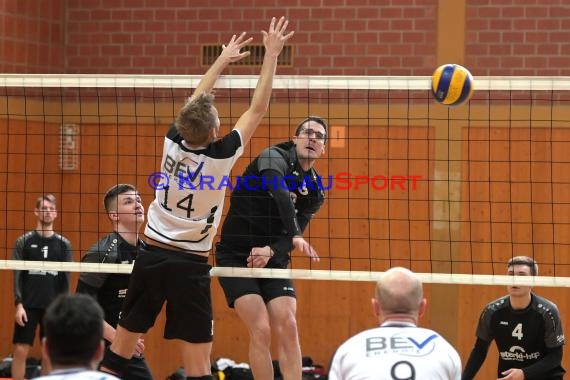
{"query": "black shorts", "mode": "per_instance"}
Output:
(137, 369)
(235, 287)
(27, 333)
(183, 281)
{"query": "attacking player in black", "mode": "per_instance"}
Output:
(126, 213)
(271, 206)
(34, 290)
(526, 328)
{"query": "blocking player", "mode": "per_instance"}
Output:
(183, 219)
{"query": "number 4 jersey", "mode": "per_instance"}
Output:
(190, 195)
(396, 351)
(523, 337)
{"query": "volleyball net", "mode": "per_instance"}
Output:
(451, 193)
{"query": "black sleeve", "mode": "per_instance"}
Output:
(284, 203)
(65, 277)
(284, 245)
(93, 279)
(550, 361)
(85, 288)
(18, 254)
(476, 359)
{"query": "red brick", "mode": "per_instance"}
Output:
(501, 24)
(550, 49)
(524, 24)
(363, 13)
(513, 12)
(99, 14)
(390, 13)
(513, 37)
(524, 49)
(320, 13)
(401, 24)
(401, 49)
(121, 62)
(561, 37)
(489, 37)
(154, 50)
(344, 13)
(411, 37)
(121, 38)
(391, 37)
(535, 62)
(154, 26)
(111, 50)
(489, 12)
(536, 12)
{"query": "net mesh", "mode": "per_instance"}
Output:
(451, 193)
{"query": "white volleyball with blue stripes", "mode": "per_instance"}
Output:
(452, 85)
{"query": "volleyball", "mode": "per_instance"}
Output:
(451, 85)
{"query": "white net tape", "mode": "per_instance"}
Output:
(299, 274)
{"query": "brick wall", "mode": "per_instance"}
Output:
(32, 36)
(345, 37)
(516, 37)
(348, 37)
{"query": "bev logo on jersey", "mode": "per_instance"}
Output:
(406, 343)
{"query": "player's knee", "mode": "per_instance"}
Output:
(21, 350)
(113, 363)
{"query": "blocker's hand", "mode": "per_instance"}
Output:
(232, 51)
(302, 245)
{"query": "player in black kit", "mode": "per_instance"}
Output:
(35, 289)
(526, 328)
(126, 213)
(270, 207)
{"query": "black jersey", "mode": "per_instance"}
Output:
(523, 337)
(109, 289)
(37, 288)
(255, 217)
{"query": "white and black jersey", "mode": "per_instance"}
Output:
(185, 213)
(396, 351)
(37, 288)
(109, 289)
(530, 339)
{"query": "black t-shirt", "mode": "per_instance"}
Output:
(523, 337)
(37, 288)
(109, 289)
(256, 218)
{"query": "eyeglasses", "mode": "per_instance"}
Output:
(318, 135)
